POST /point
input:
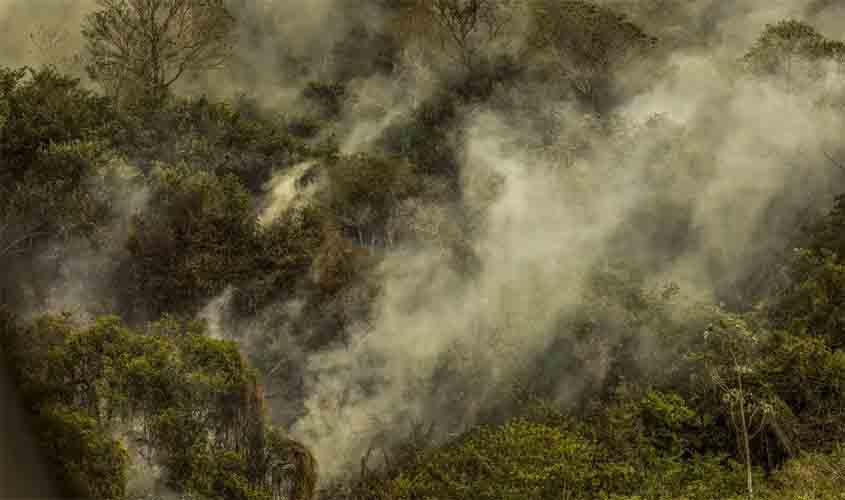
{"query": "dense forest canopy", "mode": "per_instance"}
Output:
(424, 249)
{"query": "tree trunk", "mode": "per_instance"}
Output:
(745, 440)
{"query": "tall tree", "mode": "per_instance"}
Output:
(587, 44)
(791, 50)
(467, 31)
(55, 170)
(141, 47)
(731, 363)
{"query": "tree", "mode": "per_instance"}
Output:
(55, 169)
(813, 475)
(466, 30)
(141, 47)
(785, 46)
(470, 25)
(51, 45)
(587, 43)
(731, 365)
(812, 301)
(197, 237)
(520, 459)
(105, 396)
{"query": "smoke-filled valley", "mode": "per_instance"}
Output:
(425, 249)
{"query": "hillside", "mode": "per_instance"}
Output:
(424, 249)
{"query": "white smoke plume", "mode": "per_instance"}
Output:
(695, 199)
(548, 226)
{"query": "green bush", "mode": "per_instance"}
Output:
(197, 236)
(518, 460)
(199, 407)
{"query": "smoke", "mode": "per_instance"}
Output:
(721, 27)
(430, 319)
(378, 102)
(702, 176)
(700, 195)
(280, 45)
(80, 270)
(214, 314)
(283, 192)
(43, 32)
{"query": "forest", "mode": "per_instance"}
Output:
(423, 249)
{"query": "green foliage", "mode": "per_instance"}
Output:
(519, 460)
(231, 137)
(285, 454)
(107, 396)
(812, 302)
(197, 237)
(58, 181)
(364, 192)
(680, 400)
(287, 250)
(52, 143)
(43, 107)
(651, 447)
(528, 459)
(667, 416)
(426, 138)
(813, 476)
(89, 462)
(808, 377)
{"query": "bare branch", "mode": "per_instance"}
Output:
(833, 160)
(150, 44)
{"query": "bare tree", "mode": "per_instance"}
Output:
(51, 45)
(731, 369)
(794, 51)
(144, 46)
(586, 43)
(470, 25)
(466, 30)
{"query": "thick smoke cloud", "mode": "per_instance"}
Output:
(280, 45)
(544, 232)
(696, 197)
(440, 345)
